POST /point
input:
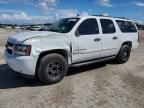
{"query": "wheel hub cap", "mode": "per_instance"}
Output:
(54, 69)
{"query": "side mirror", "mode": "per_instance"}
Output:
(77, 33)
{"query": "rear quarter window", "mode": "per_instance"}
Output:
(126, 26)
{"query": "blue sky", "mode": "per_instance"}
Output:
(41, 11)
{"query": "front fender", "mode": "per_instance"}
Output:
(46, 45)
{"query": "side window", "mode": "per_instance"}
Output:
(107, 26)
(88, 27)
(126, 26)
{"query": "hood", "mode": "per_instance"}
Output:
(20, 37)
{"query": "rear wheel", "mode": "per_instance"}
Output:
(52, 68)
(124, 54)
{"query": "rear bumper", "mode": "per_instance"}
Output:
(25, 65)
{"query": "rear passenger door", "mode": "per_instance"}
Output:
(110, 38)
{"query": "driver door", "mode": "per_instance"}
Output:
(87, 43)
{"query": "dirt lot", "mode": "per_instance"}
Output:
(102, 85)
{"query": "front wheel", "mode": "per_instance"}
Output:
(124, 54)
(52, 68)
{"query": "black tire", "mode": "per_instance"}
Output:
(52, 68)
(124, 54)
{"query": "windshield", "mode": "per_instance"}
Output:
(64, 25)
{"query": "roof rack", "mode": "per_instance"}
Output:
(111, 16)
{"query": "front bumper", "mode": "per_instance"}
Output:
(22, 64)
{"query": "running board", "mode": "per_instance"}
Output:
(93, 61)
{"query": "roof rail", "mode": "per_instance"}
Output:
(121, 18)
(111, 16)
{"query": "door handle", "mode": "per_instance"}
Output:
(97, 39)
(115, 38)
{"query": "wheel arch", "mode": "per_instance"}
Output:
(127, 43)
(62, 52)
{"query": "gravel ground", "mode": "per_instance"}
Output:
(102, 85)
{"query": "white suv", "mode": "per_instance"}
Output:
(71, 42)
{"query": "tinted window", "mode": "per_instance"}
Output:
(107, 26)
(126, 26)
(88, 27)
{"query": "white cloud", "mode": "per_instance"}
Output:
(13, 15)
(136, 16)
(140, 4)
(29, 2)
(64, 13)
(84, 14)
(47, 6)
(3, 2)
(105, 14)
(140, 21)
(20, 17)
(105, 3)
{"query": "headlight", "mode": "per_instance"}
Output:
(22, 50)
